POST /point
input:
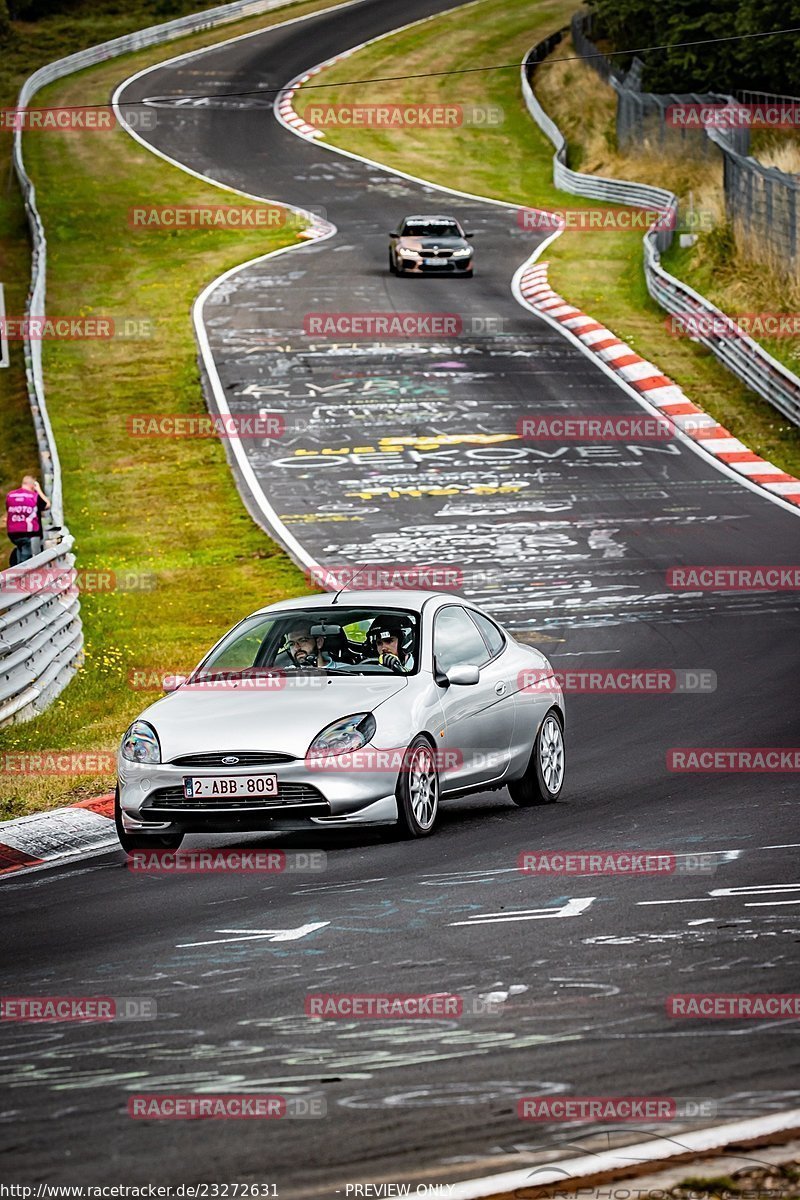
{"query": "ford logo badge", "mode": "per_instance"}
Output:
(229, 759)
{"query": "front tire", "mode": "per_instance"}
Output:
(142, 841)
(544, 774)
(392, 267)
(417, 791)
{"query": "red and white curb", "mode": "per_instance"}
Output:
(45, 838)
(616, 358)
(284, 105)
(654, 387)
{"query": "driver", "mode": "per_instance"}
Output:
(391, 639)
(307, 651)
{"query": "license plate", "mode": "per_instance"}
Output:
(435, 262)
(210, 787)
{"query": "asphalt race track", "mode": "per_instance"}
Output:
(569, 547)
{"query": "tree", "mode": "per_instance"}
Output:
(770, 64)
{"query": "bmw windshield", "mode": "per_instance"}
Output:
(435, 229)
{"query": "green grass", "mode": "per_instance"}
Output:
(32, 44)
(600, 272)
(160, 507)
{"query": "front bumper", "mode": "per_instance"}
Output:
(450, 266)
(151, 799)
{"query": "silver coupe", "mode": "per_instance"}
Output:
(366, 708)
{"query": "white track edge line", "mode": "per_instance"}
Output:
(294, 547)
(273, 523)
(695, 446)
(712, 1138)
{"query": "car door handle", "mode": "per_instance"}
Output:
(500, 688)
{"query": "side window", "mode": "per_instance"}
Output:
(490, 631)
(456, 641)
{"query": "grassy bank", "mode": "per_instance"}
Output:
(584, 108)
(598, 271)
(30, 45)
(162, 512)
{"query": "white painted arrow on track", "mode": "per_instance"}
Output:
(571, 909)
(253, 935)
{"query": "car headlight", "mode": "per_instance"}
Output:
(467, 250)
(343, 736)
(405, 250)
(140, 744)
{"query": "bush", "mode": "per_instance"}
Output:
(769, 64)
(5, 24)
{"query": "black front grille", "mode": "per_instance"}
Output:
(247, 758)
(172, 798)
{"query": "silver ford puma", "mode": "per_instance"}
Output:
(361, 709)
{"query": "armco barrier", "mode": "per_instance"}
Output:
(41, 638)
(40, 632)
(740, 354)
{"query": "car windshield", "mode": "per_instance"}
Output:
(334, 639)
(439, 229)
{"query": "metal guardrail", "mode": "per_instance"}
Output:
(40, 632)
(762, 203)
(593, 187)
(747, 360)
(41, 637)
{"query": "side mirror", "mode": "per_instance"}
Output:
(469, 235)
(464, 674)
(394, 233)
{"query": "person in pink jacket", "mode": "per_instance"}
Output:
(24, 508)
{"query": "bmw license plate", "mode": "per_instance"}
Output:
(435, 262)
(209, 787)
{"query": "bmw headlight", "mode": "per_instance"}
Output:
(140, 744)
(343, 736)
(463, 253)
(407, 252)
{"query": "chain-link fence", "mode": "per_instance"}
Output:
(761, 202)
(763, 207)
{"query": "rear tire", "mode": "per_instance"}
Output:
(143, 841)
(544, 775)
(417, 791)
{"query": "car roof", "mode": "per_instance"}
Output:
(411, 599)
(429, 217)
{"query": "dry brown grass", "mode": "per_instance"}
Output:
(737, 275)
